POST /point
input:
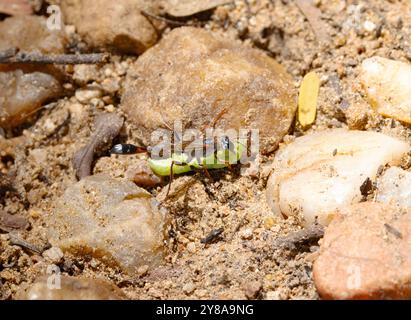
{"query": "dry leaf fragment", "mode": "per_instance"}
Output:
(307, 100)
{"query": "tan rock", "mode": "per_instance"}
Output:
(194, 76)
(394, 187)
(70, 288)
(23, 92)
(111, 220)
(388, 87)
(24, 89)
(366, 254)
(252, 289)
(30, 33)
(53, 255)
(184, 8)
(86, 95)
(116, 25)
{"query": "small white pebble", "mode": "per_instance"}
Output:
(369, 26)
(108, 72)
(84, 95)
(246, 234)
(111, 85)
(189, 288)
(191, 247)
(68, 86)
(49, 125)
(97, 103)
(70, 29)
(53, 255)
(110, 108)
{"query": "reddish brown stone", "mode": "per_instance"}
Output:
(366, 254)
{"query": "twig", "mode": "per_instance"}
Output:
(168, 21)
(14, 240)
(311, 233)
(13, 56)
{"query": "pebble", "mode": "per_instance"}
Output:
(204, 76)
(53, 255)
(110, 108)
(189, 288)
(322, 172)
(132, 168)
(275, 295)
(252, 289)
(246, 234)
(86, 95)
(122, 27)
(190, 7)
(365, 254)
(23, 93)
(387, 86)
(142, 271)
(191, 247)
(84, 73)
(394, 187)
(369, 26)
(39, 156)
(71, 288)
(111, 220)
(110, 85)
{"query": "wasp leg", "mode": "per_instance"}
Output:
(171, 178)
(173, 163)
(229, 166)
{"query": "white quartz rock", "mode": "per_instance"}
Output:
(388, 87)
(394, 187)
(323, 172)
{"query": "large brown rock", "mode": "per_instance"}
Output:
(24, 89)
(366, 254)
(193, 75)
(116, 25)
(111, 220)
